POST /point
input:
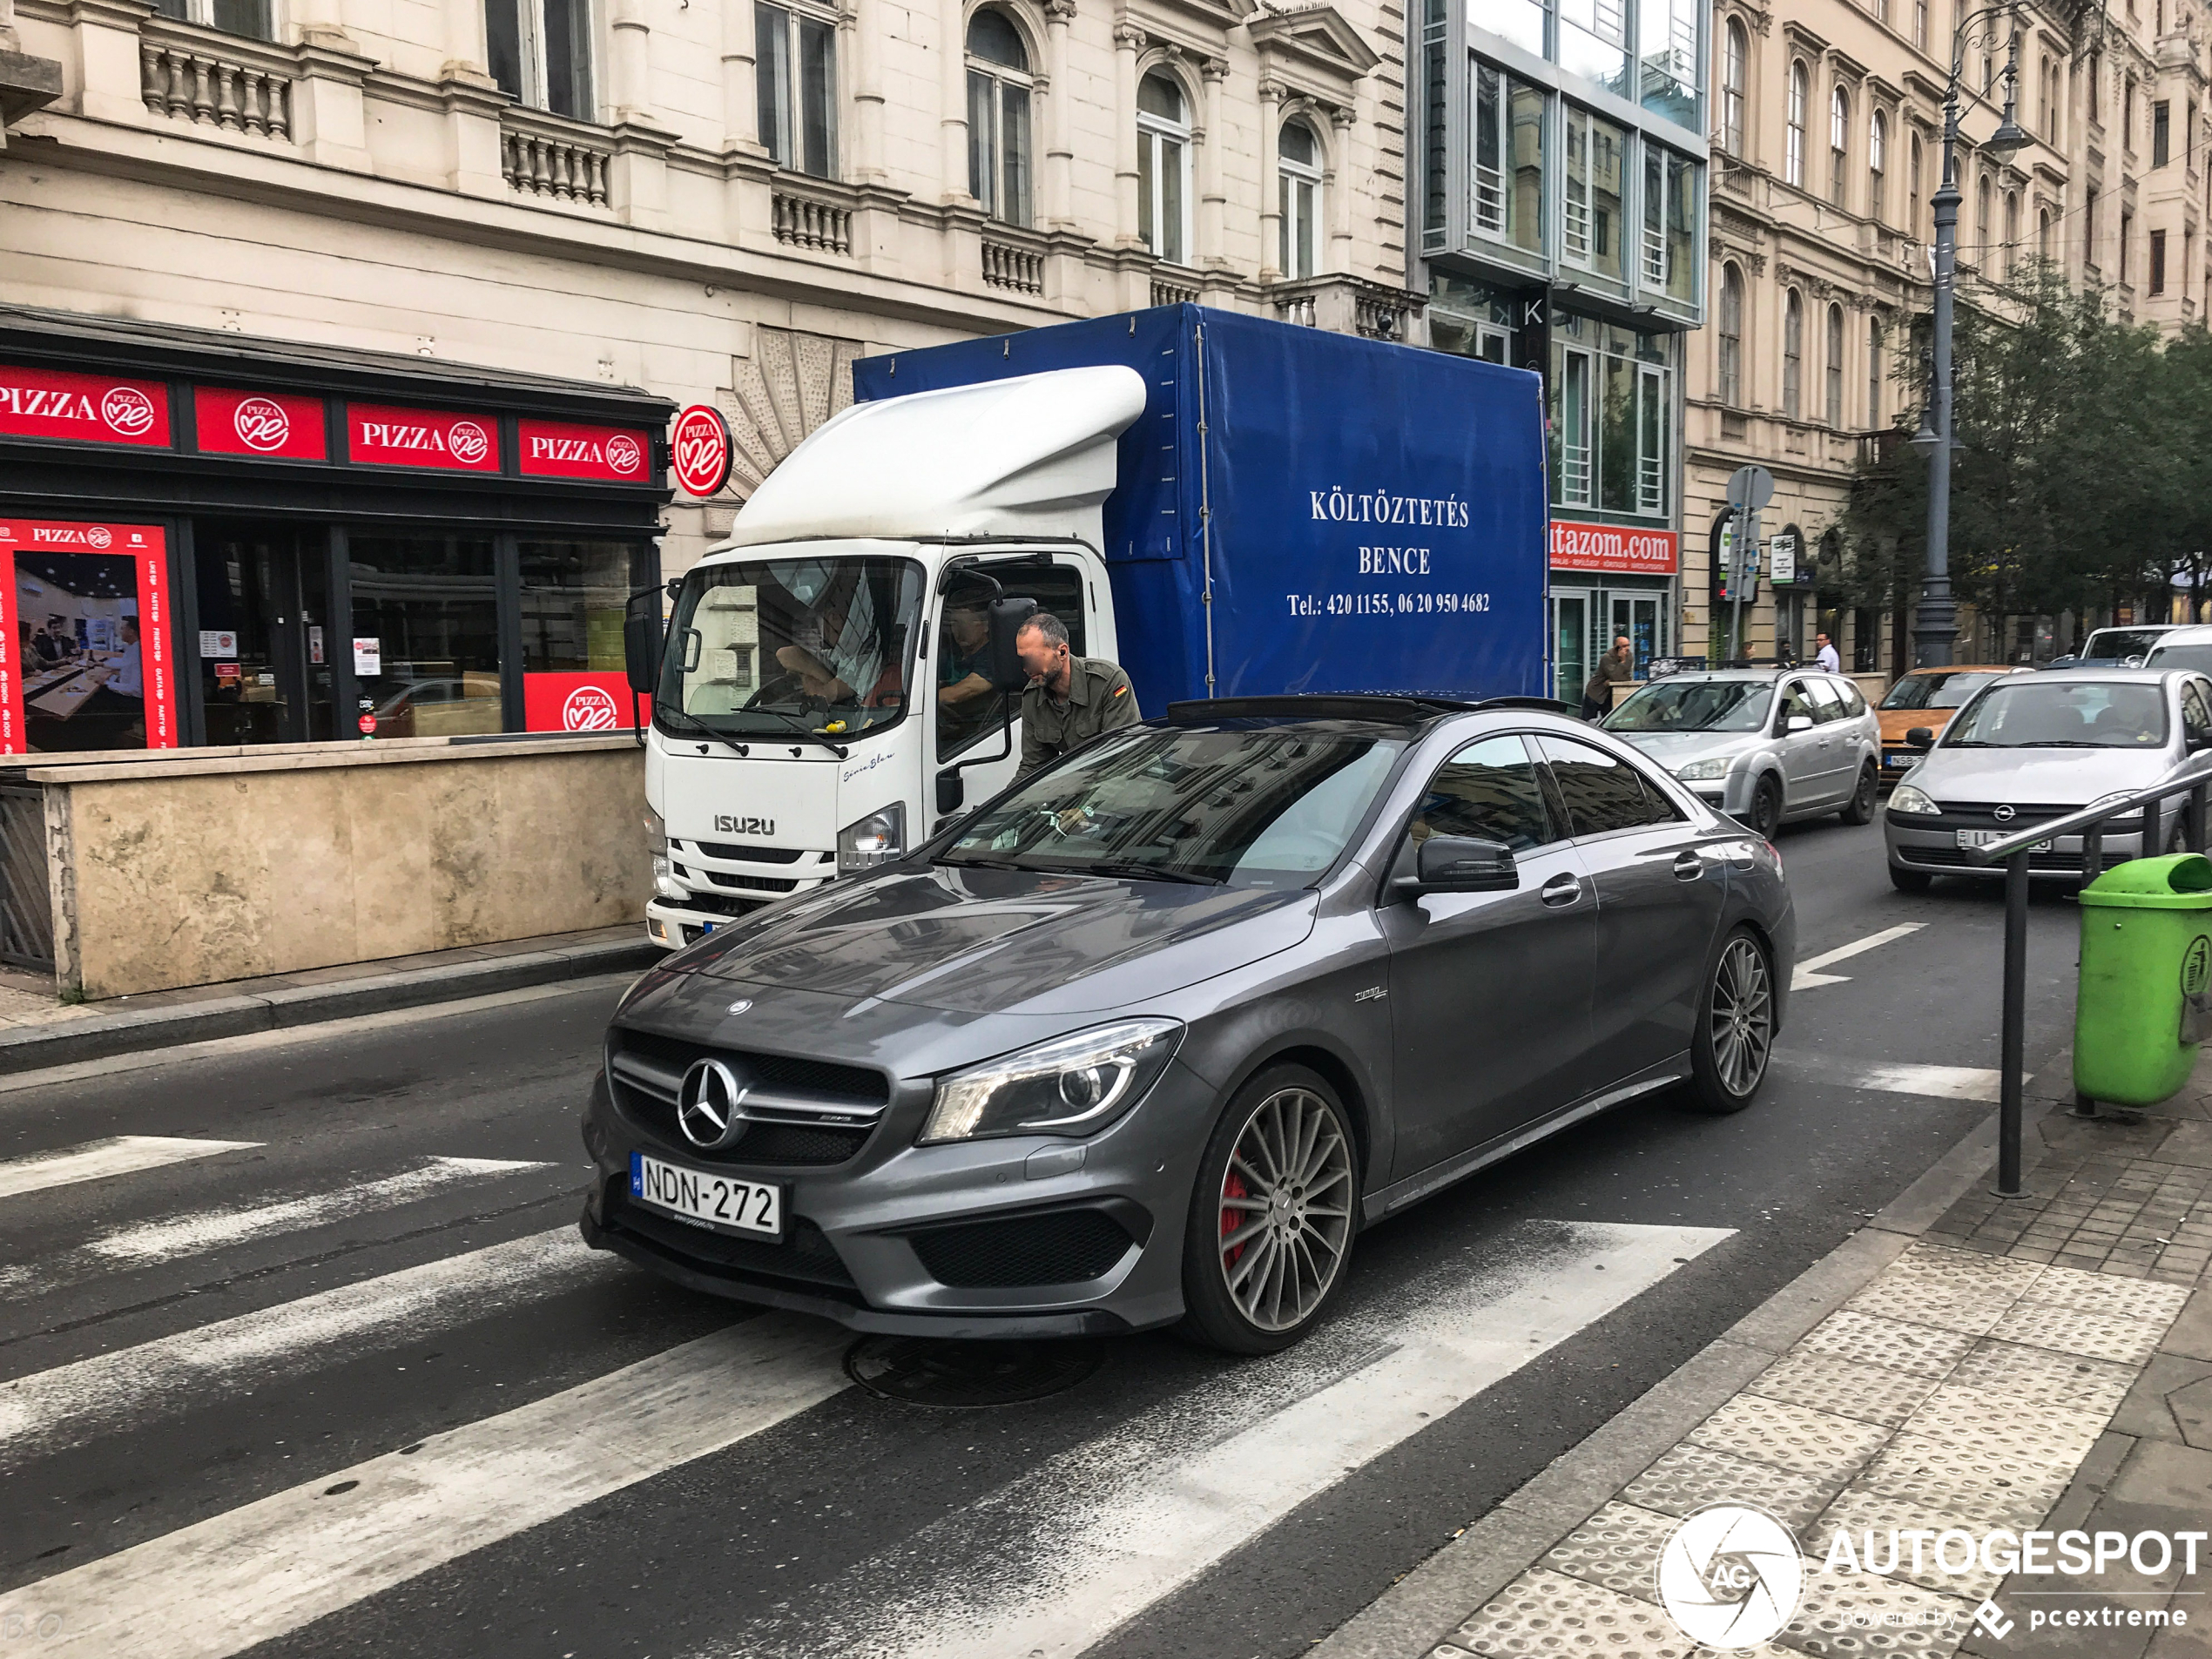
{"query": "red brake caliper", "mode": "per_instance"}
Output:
(1233, 1187)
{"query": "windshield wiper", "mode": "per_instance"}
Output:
(2061, 742)
(661, 712)
(983, 864)
(1129, 870)
(799, 726)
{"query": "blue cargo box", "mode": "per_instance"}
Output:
(1365, 516)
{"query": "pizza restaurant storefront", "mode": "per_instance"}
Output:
(207, 539)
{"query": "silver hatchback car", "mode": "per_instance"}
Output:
(1763, 745)
(2032, 747)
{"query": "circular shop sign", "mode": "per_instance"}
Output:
(470, 442)
(127, 410)
(261, 424)
(624, 454)
(701, 447)
(589, 709)
(1729, 1576)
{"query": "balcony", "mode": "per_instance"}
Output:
(1169, 291)
(545, 156)
(222, 81)
(1013, 259)
(1347, 304)
(810, 218)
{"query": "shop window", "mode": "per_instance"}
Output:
(795, 76)
(253, 18)
(263, 658)
(1507, 174)
(1299, 189)
(540, 52)
(998, 117)
(1590, 213)
(425, 637)
(573, 594)
(1162, 166)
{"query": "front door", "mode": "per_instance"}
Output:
(262, 656)
(1570, 642)
(1637, 616)
(1489, 992)
(968, 719)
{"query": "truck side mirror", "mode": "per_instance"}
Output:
(952, 791)
(1003, 664)
(1920, 737)
(641, 642)
(1460, 864)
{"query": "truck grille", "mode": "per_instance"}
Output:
(804, 1112)
(736, 854)
(744, 883)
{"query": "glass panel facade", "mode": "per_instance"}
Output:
(1590, 221)
(1612, 417)
(428, 605)
(573, 594)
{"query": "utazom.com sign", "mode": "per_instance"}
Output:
(1731, 1577)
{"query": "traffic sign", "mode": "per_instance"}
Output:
(1749, 488)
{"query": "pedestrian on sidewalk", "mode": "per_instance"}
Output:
(1617, 667)
(1825, 657)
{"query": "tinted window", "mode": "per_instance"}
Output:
(1488, 791)
(1602, 792)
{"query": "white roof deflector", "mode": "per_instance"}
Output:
(1032, 455)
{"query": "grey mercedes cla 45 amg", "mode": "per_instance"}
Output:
(1151, 1036)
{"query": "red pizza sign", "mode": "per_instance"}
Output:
(110, 681)
(561, 449)
(1610, 547)
(84, 408)
(701, 448)
(259, 423)
(380, 434)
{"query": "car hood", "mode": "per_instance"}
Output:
(1897, 722)
(990, 941)
(1674, 750)
(2043, 777)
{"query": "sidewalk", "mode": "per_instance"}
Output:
(38, 1029)
(1962, 1363)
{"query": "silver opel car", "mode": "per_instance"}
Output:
(1151, 1036)
(2032, 747)
(1765, 746)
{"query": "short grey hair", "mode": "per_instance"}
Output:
(1049, 628)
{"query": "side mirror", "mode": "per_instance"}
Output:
(641, 642)
(1920, 737)
(952, 790)
(1798, 723)
(1460, 864)
(1002, 664)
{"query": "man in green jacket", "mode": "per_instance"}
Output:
(1070, 699)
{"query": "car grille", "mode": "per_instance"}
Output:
(1059, 1247)
(736, 854)
(1959, 857)
(804, 1112)
(1978, 815)
(806, 1254)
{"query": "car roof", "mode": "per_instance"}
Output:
(1388, 710)
(1756, 676)
(1972, 668)
(2187, 633)
(2114, 676)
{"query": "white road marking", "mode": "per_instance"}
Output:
(72, 1404)
(1945, 1083)
(97, 1160)
(1807, 973)
(209, 1229)
(269, 1567)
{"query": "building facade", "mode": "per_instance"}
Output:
(1827, 128)
(1559, 224)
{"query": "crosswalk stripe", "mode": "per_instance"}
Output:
(256, 1572)
(1944, 1083)
(97, 1160)
(210, 1230)
(72, 1404)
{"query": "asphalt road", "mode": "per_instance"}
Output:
(349, 1385)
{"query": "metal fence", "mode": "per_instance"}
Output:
(26, 896)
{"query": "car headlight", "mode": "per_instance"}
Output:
(1704, 771)
(1073, 1085)
(1906, 799)
(664, 883)
(879, 837)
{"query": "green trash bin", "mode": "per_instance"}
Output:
(2146, 996)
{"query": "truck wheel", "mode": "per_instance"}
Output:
(1861, 807)
(1270, 1227)
(1734, 1037)
(1910, 880)
(1766, 808)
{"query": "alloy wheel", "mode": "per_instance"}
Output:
(1285, 1210)
(1743, 1017)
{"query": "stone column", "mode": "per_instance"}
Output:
(952, 121)
(1336, 189)
(862, 30)
(633, 78)
(1212, 195)
(740, 92)
(1059, 205)
(464, 41)
(1271, 191)
(1128, 42)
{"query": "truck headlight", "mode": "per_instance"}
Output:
(664, 883)
(1073, 1085)
(1704, 771)
(879, 837)
(1907, 799)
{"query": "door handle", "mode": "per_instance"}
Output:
(1561, 890)
(1687, 867)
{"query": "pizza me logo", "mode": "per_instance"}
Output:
(261, 424)
(91, 536)
(621, 452)
(588, 708)
(125, 410)
(465, 441)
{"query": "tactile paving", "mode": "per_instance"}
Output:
(1826, 1382)
(2095, 1336)
(1690, 1477)
(1817, 1443)
(1853, 1615)
(1858, 1511)
(2006, 1491)
(2050, 1432)
(1959, 1290)
(2039, 1377)
(2147, 1300)
(1618, 1548)
(1543, 1612)
(1893, 1342)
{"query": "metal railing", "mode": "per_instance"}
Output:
(2014, 852)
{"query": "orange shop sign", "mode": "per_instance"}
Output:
(1612, 547)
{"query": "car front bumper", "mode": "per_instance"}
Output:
(1933, 848)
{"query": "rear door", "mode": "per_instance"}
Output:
(1838, 751)
(1802, 771)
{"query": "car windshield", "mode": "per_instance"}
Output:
(2196, 656)
(2053, 714)
(1948, 689)
(2119, 643)
(1694, 705)
(1250, 802)
(821, 646)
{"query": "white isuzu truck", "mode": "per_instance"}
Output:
(1225, 506)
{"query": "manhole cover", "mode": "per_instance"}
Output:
(961, 1376)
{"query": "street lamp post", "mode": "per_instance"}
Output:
(1935, 624)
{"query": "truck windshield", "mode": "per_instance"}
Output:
(1267, 805)
(821, 645)
(1694, 705)
(2060, 714)
(2118, 645)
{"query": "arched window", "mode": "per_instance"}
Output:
(1836, 366)
(2042, 233)
(1912, 187)
(2011, 229)
(1983, 247)
(1298, 168)
(1732, 336)
(998, 117)
(1838, 144)
(1877, 161)
(1162, 165)
(1793, 148)
(1735, 66)
(1874, 372)
(1793, 355)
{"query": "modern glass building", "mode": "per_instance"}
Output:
(1560, 220)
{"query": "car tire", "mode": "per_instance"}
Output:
(1295, 1249)
(1734, 1042)
(1910, 880)
(1861, 809)
(1766, 808)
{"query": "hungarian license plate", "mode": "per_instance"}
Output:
(719, 1201)
(1898, 760)
(1990, 838)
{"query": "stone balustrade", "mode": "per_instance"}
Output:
(183, 82)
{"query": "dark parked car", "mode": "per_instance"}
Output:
(1150, 1036)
